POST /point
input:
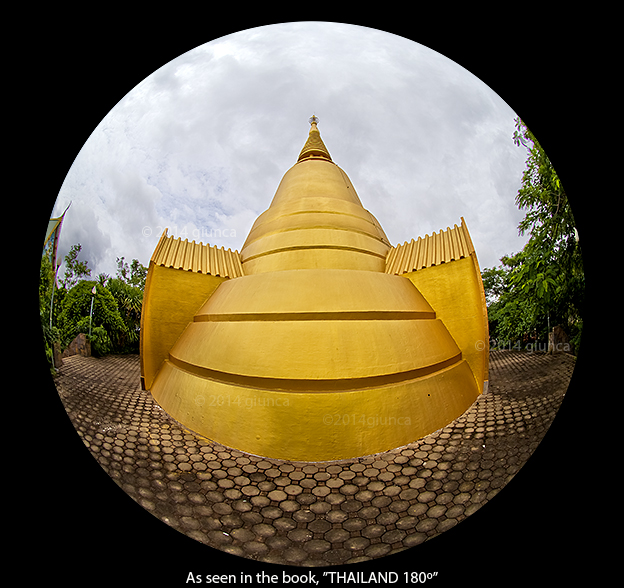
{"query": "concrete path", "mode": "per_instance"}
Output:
(312, 514)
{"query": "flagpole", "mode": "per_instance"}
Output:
(53, 288)
(91, 311)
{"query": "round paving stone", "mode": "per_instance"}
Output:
(462, 498)
(409, 494)
(264, 530)
(377, 550)
(446, 525)
(392, 490)
(436, 511)
(284, 524)
(455, 511)
(300, 535)
(351, 505)
(393, 536)
(319, 526)
(426, 496)
(369, 512)
(337, 535)
(321, 491)
(277, 495)
(365, 495)
(255, 548)
(372, 531)
(196, 498)
(427, 525)
(232, 494)
(399, 506)
(335, 498)
(444, 498)
(271, 512)
(259, 501)
(381, 501)
(320, 507)
(337, 556)
(289, 506)
(414, 539)
(349, 489)
(304, 516)
(406, 523)
(356, 543)
(242, 534)
(295, 555)
(317, 546)
(306, 498)
(387, 518)
(334, 483)
(293, 489)
(250, 490)
(375, 486)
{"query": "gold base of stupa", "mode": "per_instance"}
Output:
(319, 341)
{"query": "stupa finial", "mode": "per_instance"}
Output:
(314, 147)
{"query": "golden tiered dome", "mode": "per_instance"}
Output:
(297, 357)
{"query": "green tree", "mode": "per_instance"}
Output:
(117, 304)
(511, 315)
(129, 301)
(75, 270)
(127, 289)
(46, 283)
(543, 285)
(494, 283)
(134, 274)
(74, 316)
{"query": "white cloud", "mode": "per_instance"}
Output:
(202, 143)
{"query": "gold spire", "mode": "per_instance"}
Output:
(314, 147)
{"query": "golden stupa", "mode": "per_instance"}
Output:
(319, 340)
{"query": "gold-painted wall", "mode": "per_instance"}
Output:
(170, 300)
(455, 291)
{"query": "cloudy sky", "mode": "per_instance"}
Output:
(201, 145)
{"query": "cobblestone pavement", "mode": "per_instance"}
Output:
(312, 513)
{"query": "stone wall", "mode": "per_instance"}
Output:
(558, 341)
(79, 346)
